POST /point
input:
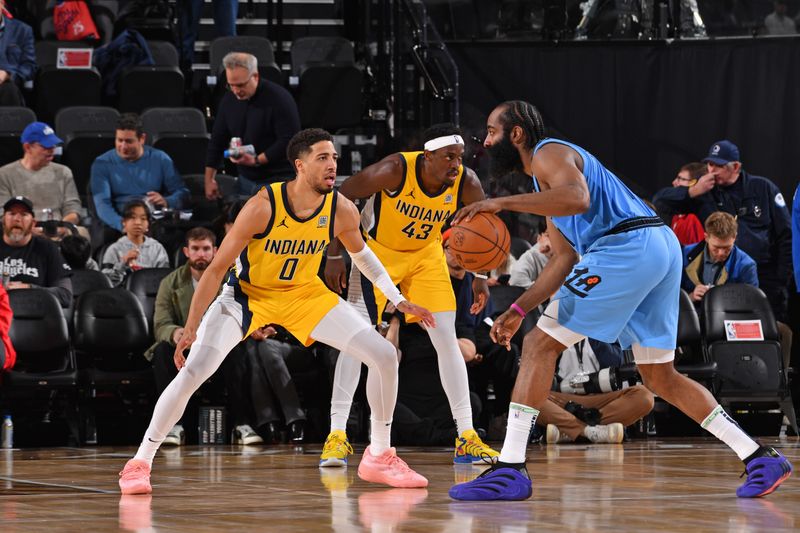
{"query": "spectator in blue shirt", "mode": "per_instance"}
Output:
(716, 260)
(17, 59)
(133, 171)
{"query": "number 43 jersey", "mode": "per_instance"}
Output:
(404, 229)
(409, 218)
(276, 278)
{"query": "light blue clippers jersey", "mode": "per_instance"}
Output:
(611, 203)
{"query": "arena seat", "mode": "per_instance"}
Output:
(46, 363)
(111, 334)
(326, 72)
(136, 84)
(87, 132)
(181, 133)
(144, 285)
(690, 357)
(56, 88)
(12, 121)
(742, 338)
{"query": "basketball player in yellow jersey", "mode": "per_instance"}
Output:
(411, 196)
(277, 242)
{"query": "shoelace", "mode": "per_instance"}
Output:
(396, 463)
(133, 468)
(476, 448)
(334, 442)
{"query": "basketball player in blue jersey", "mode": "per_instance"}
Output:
(618, 268)
(277, 242)
(411, 195)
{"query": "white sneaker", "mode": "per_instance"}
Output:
(175, 437)
(244, 434)
(610, 434)
(554, 436)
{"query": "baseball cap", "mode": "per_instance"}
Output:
(39, 132)
(722, 152)
(18, 200)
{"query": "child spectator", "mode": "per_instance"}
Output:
(77, 252)
(134, 250)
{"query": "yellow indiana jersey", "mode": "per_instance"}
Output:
(409, 218)
(276, 274)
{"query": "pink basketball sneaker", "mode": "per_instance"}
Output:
(135, 478)
(389, 469)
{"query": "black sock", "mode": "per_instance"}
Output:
(762, 451)
(517, 466)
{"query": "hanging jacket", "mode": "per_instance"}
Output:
(129, 49)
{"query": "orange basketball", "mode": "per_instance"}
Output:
(481, 244)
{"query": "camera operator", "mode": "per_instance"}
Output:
(592, 396)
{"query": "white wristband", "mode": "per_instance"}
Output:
(480, 276)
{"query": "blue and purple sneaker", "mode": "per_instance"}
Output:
(765, 474)
(500, 482)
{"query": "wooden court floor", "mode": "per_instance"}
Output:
(651, 485)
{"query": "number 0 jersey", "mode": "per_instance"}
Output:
(409, 218)
(275, 278)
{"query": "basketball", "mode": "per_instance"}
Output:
(480, 244)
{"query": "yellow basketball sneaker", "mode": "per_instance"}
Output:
(470, 449)
(336, 449)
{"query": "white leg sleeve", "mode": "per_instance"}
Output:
(348, 368)
(452, 368)
(219, 331)
(346, 330)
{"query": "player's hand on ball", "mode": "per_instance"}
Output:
(411, 309)
(504, 328)
(188, 337)
(469, 211)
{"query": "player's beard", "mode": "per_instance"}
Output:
(503, 158)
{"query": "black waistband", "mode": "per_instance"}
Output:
(631, 224)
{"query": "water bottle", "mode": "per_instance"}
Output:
(239, 151)
(8, 432)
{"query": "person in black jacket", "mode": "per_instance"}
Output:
(760, 210)
(260, 113)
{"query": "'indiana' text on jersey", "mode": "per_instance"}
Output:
(410, 218)
(288, 253)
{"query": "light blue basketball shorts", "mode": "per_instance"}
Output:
(626, 288)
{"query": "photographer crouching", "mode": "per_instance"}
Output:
(592, 397)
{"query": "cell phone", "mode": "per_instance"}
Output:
(488, 321)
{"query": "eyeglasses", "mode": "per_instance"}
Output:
(232, 86)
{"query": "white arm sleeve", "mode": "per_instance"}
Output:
(368, 264)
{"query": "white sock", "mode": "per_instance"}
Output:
(380, 436)
(340, 412)
(147, 450)
(721, 425)
(521, 419)
(464, 423)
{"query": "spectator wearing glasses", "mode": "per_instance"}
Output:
(259, 112)
(760, 210)
(687, 226)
